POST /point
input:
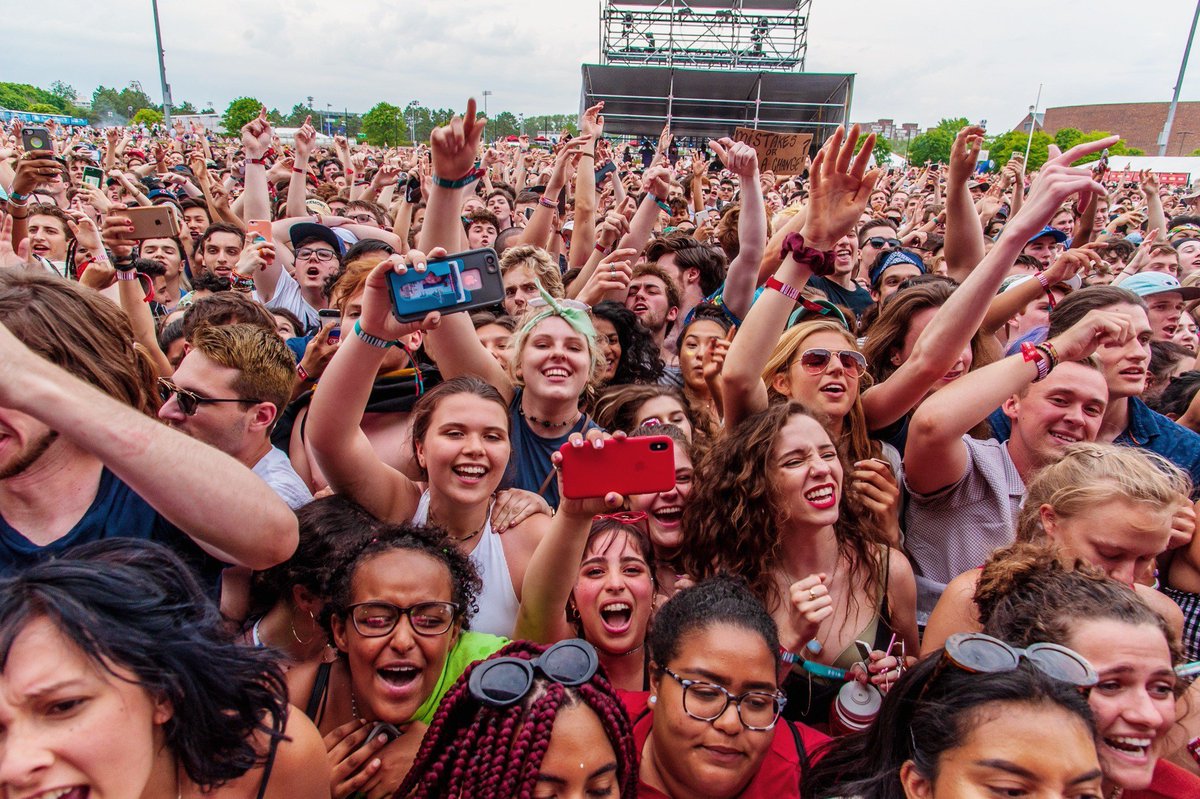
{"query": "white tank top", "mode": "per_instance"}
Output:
(498, 603)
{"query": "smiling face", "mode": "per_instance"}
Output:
(70, 725)
(554, 361)
(614, 593)
(697, 341)
(466, 448)
(831, 392)
(806, 472)
(1186, 334)
(718, 758)
(1134, 702)
(391, 676)
(1065, 408)
(1004, 754)
(1189, 257)
(845, 255)
(1120, 536)
(665, 509)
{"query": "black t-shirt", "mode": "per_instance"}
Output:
(116, 512)
(857, 300)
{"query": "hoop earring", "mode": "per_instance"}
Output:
(313, 624)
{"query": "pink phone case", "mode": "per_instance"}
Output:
(642, 465)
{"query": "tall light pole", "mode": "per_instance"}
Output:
(162, 68)
(329, 130)
(486, 94)
(412, 115)
(1166, 131)
(1032, 122)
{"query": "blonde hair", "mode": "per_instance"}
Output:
(855, 441)
(1091, 473)
(596, 355)
(265, 365)
(539, 263)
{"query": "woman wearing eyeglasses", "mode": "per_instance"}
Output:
(710, 725)
(1029, 594)
(528, 722)
(399, 616)
(980, 720)
(769, 504)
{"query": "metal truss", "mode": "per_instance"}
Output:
(705, 34)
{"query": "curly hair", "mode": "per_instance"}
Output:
(735, 514)
(640, 361)
(473, 749)
(428, 540)
(617, 407)
(133, 605)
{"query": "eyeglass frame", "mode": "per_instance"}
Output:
(312, 255)
(953, 642)
(778, 696)
(885, 242)
(402, 613)
(194, 399)
(859, 359)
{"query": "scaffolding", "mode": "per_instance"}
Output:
(752, 35)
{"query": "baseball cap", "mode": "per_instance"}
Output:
(1058, 235)
(895, 258)
(1147, 284)
(311, 230)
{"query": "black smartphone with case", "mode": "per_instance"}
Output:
(460, 282)
(36, 137)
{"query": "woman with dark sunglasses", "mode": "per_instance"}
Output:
(399, 615)
(528, 722)
(710, 725)
(770, 504)
(976, 724)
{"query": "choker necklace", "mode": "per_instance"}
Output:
(631, 651)
(465, 538)
(548, 424)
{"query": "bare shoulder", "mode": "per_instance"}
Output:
(299, 769)
(1164, 606)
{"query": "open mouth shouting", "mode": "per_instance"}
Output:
(398, 680)
(617, 616)
(822, 497)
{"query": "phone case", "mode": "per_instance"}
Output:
(259, 227)
(154, 222)
(641, 465)
(460, 282)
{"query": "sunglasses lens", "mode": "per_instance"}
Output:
(981, 654)
(852, 362)
(505, 682)
(1061, 665)
(569, 665)
(164, 391)
(815, 360)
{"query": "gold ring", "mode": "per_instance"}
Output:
(812, 594)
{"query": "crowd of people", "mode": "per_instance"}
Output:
(936, 454)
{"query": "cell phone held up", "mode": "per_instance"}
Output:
(93, 176)
(639, 465)
(460, 282)
(327, 315)
(154, 222)
(36, 138)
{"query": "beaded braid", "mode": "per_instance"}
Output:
(476, 750)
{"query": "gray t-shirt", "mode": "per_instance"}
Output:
(276, 471)
(956, 529)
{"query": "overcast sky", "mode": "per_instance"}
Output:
(917, 61)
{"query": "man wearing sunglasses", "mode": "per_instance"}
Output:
(228, 391)
(875, 237)
(82, 458)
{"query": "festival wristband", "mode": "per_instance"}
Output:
(367, 338)
(465, 180)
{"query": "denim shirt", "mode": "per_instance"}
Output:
(1148, 430)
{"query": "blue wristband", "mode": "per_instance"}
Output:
(374, 341)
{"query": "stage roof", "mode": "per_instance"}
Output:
(638, 100)
(748, 6)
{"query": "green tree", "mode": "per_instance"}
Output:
(1003, 146)
(297, 116)
(147, 116)
(1068, 138)
(275, 117)
(64, 93)
(504, 125)
(43, 108)
(934, 144)
(239, 112)
(883, 149)
(123, 103)
(384, 125)
(183, 108)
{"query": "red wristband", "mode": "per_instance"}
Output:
(302, 373)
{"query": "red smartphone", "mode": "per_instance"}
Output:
(641, 465)
(259, 228)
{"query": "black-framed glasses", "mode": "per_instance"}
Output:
(504, 681)
(978, 653)
(311, 254)
(705, 701)
(377, 619)
(879, 242)
(190, 401)
(816, 361)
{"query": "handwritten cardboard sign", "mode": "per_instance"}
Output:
(781, 153)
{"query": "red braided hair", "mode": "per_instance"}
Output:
(472, 749)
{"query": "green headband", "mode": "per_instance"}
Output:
(577, 317)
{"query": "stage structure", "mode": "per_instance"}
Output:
(708, 66)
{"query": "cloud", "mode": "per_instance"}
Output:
(916, 62)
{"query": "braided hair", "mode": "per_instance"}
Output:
(473, 749)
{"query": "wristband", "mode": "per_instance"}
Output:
(1032, 354)
(1043, 281)
(791, 292)
(241, 283)
(17, 198)
(127, 274)
(300, 171)
(465, 180)
(663, 206)
(374, 341)
(600, 248)
(259, 161)
(123, 264)
(551, 204)
(1047, 349)
(588, 155)
(302, 373)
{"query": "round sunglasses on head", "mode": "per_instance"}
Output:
(815, 361)
(980, 653)
(504, 681)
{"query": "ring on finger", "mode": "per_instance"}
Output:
(812, 594)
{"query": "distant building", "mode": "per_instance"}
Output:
(888, 129)
(1139, 124)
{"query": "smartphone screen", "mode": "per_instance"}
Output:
(93, 176)
(441, 286)
(327, 315)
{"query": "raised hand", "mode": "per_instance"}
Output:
(377, 318)
(839, 186)
(1057, 180)
(1096, 329)
(455, 145)
(592, 123)
(738, 157)
(10, 257)
(810, 604)
(964, 154)
(306, 137)
(256, 135)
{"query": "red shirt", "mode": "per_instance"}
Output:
(1170, 782)
(779, 775)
